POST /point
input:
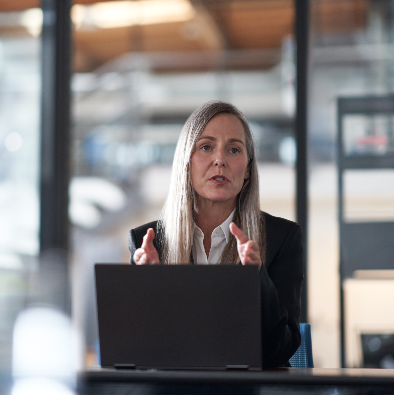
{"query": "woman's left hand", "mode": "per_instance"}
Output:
(248, 250)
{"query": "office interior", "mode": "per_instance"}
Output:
(139, 68)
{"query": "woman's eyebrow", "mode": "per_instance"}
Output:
(206, 138)
(214, 139)
(236, 141)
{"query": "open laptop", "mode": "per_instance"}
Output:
(179, 316)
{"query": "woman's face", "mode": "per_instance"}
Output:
(219, 163)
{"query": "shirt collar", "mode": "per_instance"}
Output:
(224, 226)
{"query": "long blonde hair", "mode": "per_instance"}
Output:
(175, 230)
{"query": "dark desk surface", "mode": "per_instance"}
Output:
(279, 381)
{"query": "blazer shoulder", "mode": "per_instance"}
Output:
(141, 230)
(278, 224)
(136, 236)
(278, 233)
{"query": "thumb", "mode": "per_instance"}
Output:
(147, 242)
(238, 234)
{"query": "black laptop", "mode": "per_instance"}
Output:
(179, 316)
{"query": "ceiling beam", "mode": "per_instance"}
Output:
(215, 11)
(21, 5)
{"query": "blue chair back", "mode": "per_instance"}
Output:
(303, 357)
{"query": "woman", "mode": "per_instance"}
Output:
(212, 215)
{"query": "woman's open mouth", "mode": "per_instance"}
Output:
(219, 180)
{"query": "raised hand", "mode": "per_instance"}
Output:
(147, 254)
(248, 250)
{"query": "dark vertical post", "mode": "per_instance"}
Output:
(301, 133)
(340, 114)
(55, 135)
(55, 123)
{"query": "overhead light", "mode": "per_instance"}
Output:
(128, 13)
(78, 14)
(31, 19)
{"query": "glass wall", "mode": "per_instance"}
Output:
(141, 68)
(352, 55)
(19, 163)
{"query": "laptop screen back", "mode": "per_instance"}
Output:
(179, 316)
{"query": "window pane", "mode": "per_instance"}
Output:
(19, 163)
(351, 56)
(139, 73)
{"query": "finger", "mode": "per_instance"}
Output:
(154, 260)
(238, 234)
(141, 257)
(149, 258)
(251, 245)
(251, 261)
(138, 255)
(147, 241)
(250, 253)
(252, 257)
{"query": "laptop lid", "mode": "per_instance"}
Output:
(179, 316)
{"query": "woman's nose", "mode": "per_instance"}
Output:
(219, 161)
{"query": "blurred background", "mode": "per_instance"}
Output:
(139, 68)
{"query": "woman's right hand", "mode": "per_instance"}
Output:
(147, 254)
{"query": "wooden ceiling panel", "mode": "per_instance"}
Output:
(329, 16)
(260, 31)
(18, 5)
(254, 24)
(172, 37)
(21, 5)
(95, 47)
(99, 46)
(219, 24)
(269, 20)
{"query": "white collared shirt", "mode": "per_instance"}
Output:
(219, 238)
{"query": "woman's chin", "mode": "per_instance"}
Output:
(221, 199)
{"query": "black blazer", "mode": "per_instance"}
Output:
(281, 279)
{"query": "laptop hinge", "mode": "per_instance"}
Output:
(237, 367)
(124, 366)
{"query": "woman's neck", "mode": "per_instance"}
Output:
(209, 216)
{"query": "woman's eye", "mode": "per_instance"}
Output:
(234, 150)
(205, 147)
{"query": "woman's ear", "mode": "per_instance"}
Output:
(247, 172)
